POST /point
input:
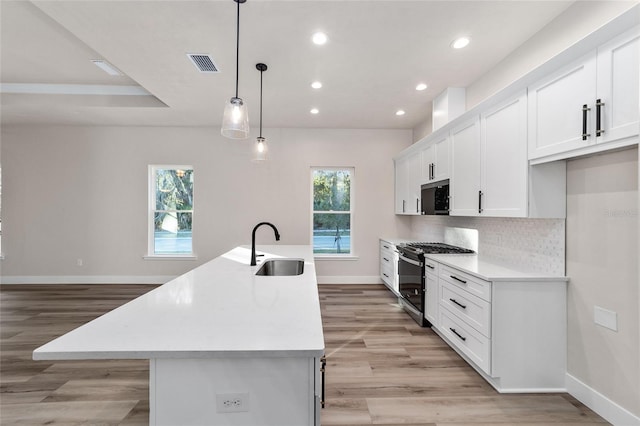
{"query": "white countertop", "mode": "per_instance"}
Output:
(490, 269)
(220, 309)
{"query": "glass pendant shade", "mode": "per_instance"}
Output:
(260, 149)
(235, 121)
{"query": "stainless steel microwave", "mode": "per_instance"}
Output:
(435, 198)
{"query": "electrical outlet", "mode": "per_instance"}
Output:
(232, 402)
(79, 262)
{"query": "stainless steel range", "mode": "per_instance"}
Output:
(411, 274)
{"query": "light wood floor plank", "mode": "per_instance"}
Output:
(382, 368)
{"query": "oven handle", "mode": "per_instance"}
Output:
(411, 261)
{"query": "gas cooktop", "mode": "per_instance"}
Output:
(435, 248)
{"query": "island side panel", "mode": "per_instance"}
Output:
(184, 391)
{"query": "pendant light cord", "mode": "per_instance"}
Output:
(237, 47)
(261, 102)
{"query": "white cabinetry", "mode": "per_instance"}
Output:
(435, 160)
(408, 175)
(512, 331)
(589, 102)
(489, 175)
(432, 298)
(389, 266)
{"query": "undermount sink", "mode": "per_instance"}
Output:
(281, 267)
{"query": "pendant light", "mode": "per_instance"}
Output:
(260, 147)
(235, 121)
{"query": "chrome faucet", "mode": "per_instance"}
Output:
(253, 239)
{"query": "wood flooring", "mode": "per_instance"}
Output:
(381, 367)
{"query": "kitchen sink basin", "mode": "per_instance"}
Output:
(281, 267)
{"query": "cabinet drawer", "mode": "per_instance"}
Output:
(386, 273)
(469, 308)
(473, 344)
(473, 285)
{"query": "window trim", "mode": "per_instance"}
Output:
(335, 256)
(151, 203)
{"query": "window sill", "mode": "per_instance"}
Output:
(169, 257)
(336, 257)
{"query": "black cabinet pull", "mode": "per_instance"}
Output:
(453, 330)
(385, 259)
(433, 170)
(480, 201)
(403, 210)
(429, 266)
(585, 109)
(385, 275)
(599, 105)
(458, 279)
(417, 205)
(458, 303)
(386, 247)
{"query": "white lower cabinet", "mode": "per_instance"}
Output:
(389, 265)
(432, 297)
(512, 331)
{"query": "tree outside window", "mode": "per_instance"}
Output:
(171, 210)
(332, 208)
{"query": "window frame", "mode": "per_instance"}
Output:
(351, 212)
(151, 211)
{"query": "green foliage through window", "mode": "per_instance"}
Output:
(332, 211)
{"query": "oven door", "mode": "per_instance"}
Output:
(410, 274)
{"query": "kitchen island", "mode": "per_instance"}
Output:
(226, 347)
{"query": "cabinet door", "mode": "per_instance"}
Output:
(431, 295)
(465, 171)
(427, 161)
(441, 168)
(556, 109)
(413, 190)
(402, 181)
(618, 88)
(504, 159)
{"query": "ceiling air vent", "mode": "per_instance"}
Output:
(203, 62)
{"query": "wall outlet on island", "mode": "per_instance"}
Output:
(79, 262)
(232, 402)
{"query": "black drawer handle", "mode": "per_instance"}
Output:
(429, 266)
(385, 259)
(386, 247)
(458, 279)
(385, 275)
(458, 303)
(453, 330)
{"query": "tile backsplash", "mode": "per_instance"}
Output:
(535, 245)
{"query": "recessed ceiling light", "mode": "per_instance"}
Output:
(316, 85)
(460, 42)
(421, 86)
(320, 38)
(400, 112)
(314, 111)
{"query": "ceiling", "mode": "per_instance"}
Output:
(377, 52)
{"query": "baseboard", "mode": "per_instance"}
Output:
(603, 406)
(348, 279)
(86, 279)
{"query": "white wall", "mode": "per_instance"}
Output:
(602, 253)
(81, 193)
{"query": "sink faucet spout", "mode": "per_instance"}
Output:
(253, 239)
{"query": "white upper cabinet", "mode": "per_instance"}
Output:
(618, 87)
(408, 176)
(465, 169)
(591, 101)
(435, 160)
(503, 150)
(489, 174)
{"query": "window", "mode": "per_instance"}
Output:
(332, 210)
(170, 210)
